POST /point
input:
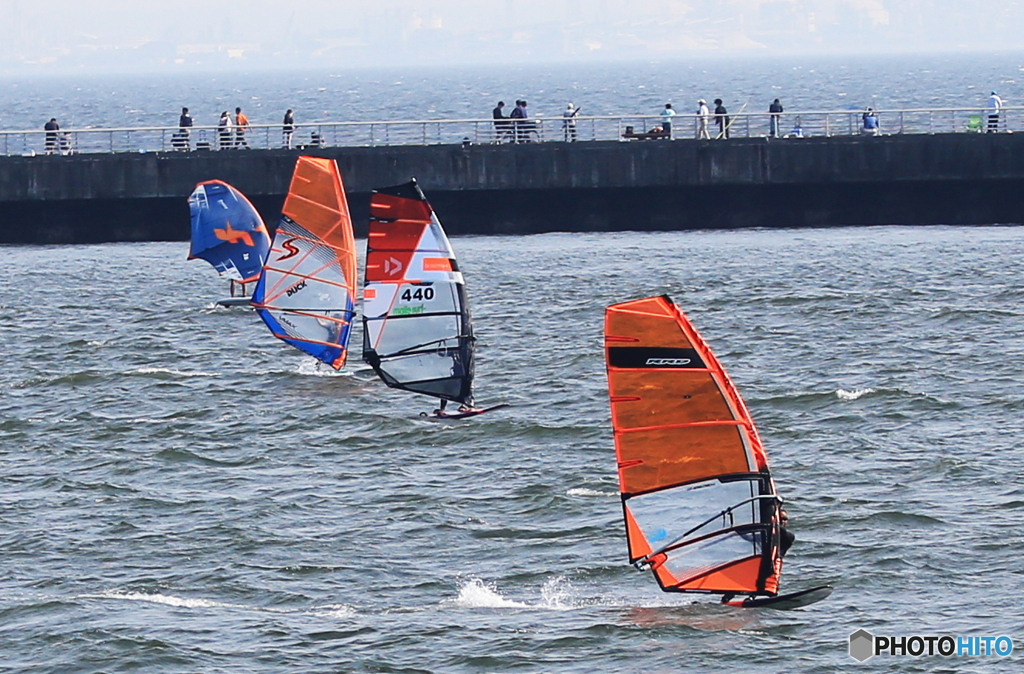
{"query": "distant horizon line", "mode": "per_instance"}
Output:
(58, 70)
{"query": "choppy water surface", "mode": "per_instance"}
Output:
(181, 492)
(887, 82)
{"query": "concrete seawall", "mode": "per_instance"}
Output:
(512, 189)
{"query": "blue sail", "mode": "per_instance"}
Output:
(227, 231)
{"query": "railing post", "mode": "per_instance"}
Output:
(828, 125)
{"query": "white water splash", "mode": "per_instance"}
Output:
(176, 373)
(314, 368)
(333, 611)
(160, 599)
(843, 394)
(557, 594)
(475, 594)
(583, 491)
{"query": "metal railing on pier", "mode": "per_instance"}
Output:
(801, 124)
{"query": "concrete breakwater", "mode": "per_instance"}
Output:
(539, 187)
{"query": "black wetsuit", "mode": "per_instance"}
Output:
(786, 539)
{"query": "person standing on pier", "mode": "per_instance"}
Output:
(224, 129)
(722, 119)
(184, 130)
(666, 120)
(995, 104)
(703, 115)
(51, 128)
(569, 123)
(518, 114)
(288, 129)
(775, 111)
(501, 127)
(241, 125)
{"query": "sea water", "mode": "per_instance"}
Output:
(181, 492)
(832, 83)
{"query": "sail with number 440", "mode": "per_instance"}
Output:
(417, 333)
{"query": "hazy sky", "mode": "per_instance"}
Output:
(64, 36)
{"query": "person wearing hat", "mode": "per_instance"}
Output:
(995, 104)
(569, 122)
(703, 115)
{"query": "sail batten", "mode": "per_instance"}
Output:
(699, 502)
(306, 293)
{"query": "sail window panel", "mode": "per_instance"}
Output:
(666, 397)
(701, 557)
(327, 326)
(663, 457)
(418, 333)
(647, 330)
(421, 367)
(378, 298)
(445, 388)
(434, 241)
(312, 295)
(663, 516)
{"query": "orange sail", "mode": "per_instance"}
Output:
(306, 294)
(698, 499)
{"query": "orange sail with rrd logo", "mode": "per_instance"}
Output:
(699, 503)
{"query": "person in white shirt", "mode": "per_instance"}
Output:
(995, 104)
(569, 123)
(703, 115)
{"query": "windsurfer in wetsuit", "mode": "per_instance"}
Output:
(786, 537)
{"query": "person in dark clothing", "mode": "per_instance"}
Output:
(288, 128)
(518, 115)
(721, 118)
(776, 115)
(501, 124)
(786, 537)
(51, 128)
(181, 139)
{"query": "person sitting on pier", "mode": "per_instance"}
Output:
(870, 123)
(51, 128)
